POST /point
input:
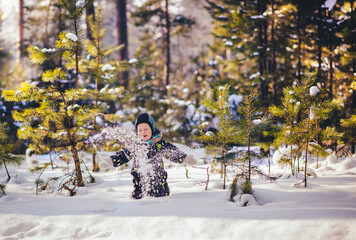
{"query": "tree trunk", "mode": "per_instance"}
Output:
(331, 69)
(21, 30)
(299, 29)
(95, 166)
(90, 11)
(273, 51)
(122, 37)
(248, 155)
(306, 151)
(320, 44)
(78, 172)
(7, 172)
(167, 47)
(261, 8)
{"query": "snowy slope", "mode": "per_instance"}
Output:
(104, 210)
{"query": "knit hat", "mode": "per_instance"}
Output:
(145, 118)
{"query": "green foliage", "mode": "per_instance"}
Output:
(251, 123)
(303, 110)
(227, 131)
(63, 116)
(6, 149)
(246, 187)
(349, 123)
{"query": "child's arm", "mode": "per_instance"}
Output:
(121, 157)
(170, 151)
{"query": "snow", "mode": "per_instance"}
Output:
(133, 60)
(314, 90)
(72, 37)
(107, 67)
(326, 209)
(80, 3)
(329, 4)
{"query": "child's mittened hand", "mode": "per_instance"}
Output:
(190, 160)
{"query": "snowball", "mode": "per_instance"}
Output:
(103, 90)
(314, 90)
(290, 92)
(298, 103)
(107, 67)
(221, 88)
(186, 90)
(72, 36)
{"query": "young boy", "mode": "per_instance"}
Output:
(149, 176)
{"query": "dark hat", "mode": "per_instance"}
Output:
(145, 118)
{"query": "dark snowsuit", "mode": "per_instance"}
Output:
(151, 179)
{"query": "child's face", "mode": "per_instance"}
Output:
(144, 131)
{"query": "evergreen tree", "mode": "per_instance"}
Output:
(63, 113)
(227, 132)
(158, 39)
(250, 123)
(303, 109)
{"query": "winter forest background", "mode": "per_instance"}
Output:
(244, 80)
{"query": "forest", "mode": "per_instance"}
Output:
(265, 72)
(251, 112)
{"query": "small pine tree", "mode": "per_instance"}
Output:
(227, 132)
(250, 123)
(304, 109)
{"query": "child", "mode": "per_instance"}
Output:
(151, 179)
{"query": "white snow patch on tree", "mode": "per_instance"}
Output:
(133, 60)
(255, 75)
(234, 100)
(72, 37)
(329, 4)
(107, 67)
(314, 90)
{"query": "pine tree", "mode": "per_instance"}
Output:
(159, 38)
(250, 123)
(303, 109)
(227, 132)
(63, 113)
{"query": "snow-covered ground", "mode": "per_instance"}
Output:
(326, 209)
